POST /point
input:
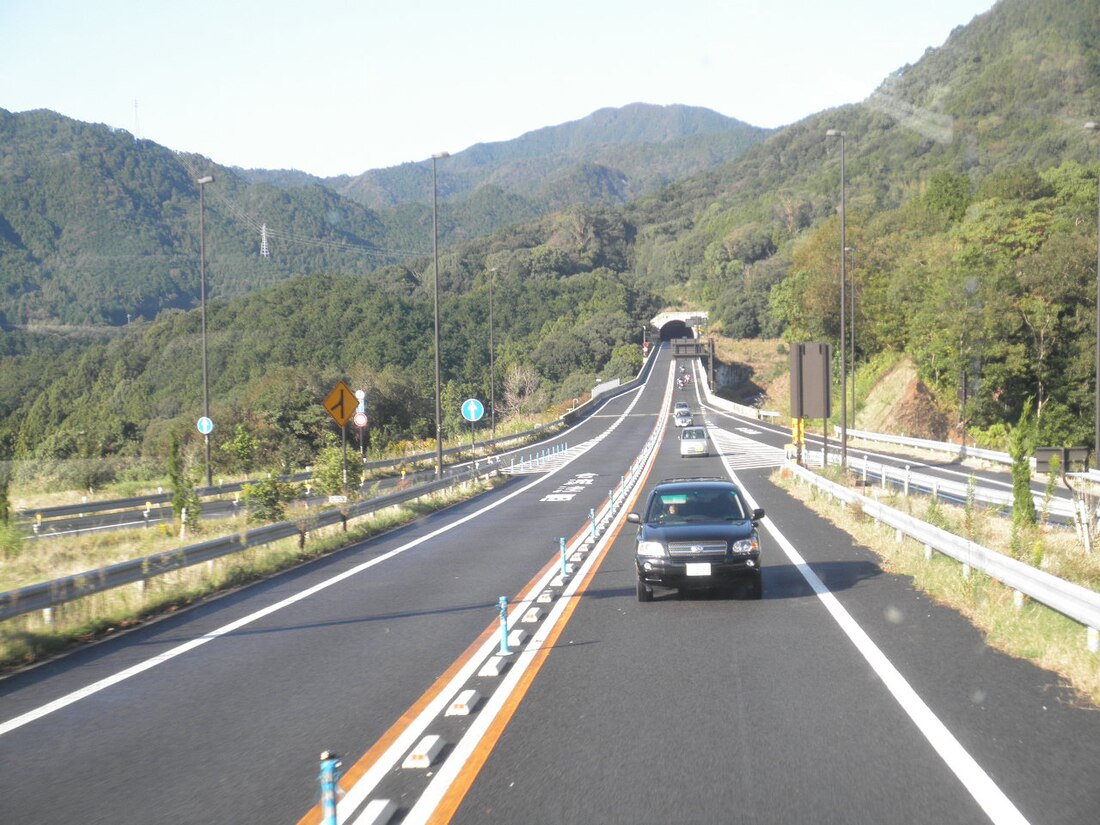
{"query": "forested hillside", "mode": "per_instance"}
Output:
(971, 221)
(97, 228)
(971, 213)
(564, 315)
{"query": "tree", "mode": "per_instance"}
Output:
(186, 504)
(241, 449)
(521, 384)
(266, 499)
(1021, 445)
(948, 194)
(328, 469)
(5, 500)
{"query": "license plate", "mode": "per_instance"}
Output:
(697, 568)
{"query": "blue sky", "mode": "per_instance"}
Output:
(338, 87)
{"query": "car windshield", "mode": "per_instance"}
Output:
(684, 506)
(692, 434)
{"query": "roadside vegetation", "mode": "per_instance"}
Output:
(29, 638)
(1033, 632)
(23, 561)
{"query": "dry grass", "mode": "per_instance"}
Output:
(29, 638)
(1033, 632)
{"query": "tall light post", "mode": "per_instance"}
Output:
(851, 250)
(1095, 127)
(202, 299)
(435, 300)
(843, 336)
(492, 360)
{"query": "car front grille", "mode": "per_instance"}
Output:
(698, 549)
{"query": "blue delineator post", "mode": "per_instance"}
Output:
(503, 603)
(330, 775)
(561, 544)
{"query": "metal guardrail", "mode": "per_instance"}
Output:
(1078, 603)
(135, 502)
(49, 594)
(960, 450)
(954, 491)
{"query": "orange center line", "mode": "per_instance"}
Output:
(362, 765)
(465, 779)
(457, 792)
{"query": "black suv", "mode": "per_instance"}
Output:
(697, 532)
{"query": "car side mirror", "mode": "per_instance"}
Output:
(757, 514)
(633, 518)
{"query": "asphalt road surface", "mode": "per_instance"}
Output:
(842, 696)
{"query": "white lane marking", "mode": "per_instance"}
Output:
(997, 806)
(168, 655)
(745, 453)
(425, 807)
(356, 795)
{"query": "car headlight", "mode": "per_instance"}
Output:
(650, 548)
(746, 546)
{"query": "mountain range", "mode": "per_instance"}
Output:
(971, 202)
(98, 228)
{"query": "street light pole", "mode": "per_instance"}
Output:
(843, 336)
(492, 362)
(1095, 127)
(202, 300)
(435, 299)
(852, 331)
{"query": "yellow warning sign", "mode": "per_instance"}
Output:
(341, 403)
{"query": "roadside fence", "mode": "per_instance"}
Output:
(1078, 603)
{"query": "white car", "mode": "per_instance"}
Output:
(693, 441)
(681, 414)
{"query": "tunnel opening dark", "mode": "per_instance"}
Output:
(676, 329)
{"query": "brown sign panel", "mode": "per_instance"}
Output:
(1068, 458)
(811, 384)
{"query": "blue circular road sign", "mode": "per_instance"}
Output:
(472, 409)
(205, 425)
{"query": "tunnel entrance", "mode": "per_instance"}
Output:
(676, 329)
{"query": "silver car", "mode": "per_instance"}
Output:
(693, 441)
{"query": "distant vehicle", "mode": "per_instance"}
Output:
(681, 414)
(693, 441)
(697, 532)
